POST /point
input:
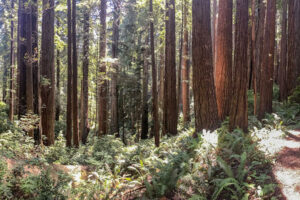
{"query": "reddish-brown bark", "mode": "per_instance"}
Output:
(283, 54)
(223, 69)
(206, 111)
(185, 68)
(170, 103)
(238, 109)
(70, 75)
(267, 65)
(145, 81)
(103, 90)
(47, 73)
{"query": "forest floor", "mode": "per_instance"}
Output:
(287, 165)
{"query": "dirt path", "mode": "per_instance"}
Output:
(287, 166)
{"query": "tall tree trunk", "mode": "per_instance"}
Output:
(223, 69)
(258, 53)
(103, 84)
(206, 112)
(35, 63)
(239, 110)
(75, 76)
(267, 65)
(154, 80)
(114, 79)
(57, 110)
(214, 30)
(48, 73)
(185, 68)
(145, 125)
(70, 75)
(12, 65)
(4, 86)
(170, 105)
(85, 82)
(283, 54)
(179, 75)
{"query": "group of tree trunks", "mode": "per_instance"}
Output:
(220, 67)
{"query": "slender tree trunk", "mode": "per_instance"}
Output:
(267, 65)
(12, 65)
(57, 113)
(70, 75)
(145, 125)
(239, 110)
(224, 58)
(48, 73)
(253, 49)
(75, 76)
(179, 76)
(154, 81)
(103, 84)
(35, 63)
(4, 86)
(170, 105)
(114, 79)
(85, 81)
(206, 112)
(185, 68)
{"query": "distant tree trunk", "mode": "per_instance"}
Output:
(154, 81)
(103, 84)
(35, 63)
(223, 76)
(48, 73)
(179, 76)
(57, 113)
(22, 54)
(114, 78)
(267, 65)
(258, 53)
(29, 61)
(185, 68)
(12, 66)
(206, 111)
(70, 75)
(145, 125)
(170, 103)
(4, 86)
(85, 82)
(75, 76)
(239, 110)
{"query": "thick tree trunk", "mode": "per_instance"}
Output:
(103, 82)
(114, 78)
(206, 111)
(267, 65)
(224, 58)
(85, 81)
(12, 66)
(75, 80)
(185, 68)
(170, 103)
(48, 73)
(70, 75)
(239, 110)
(145, 125)
(214, 30)
(35, 63)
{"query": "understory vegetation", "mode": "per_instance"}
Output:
(214, 165)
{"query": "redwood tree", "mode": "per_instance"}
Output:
(145, 80)
(85, 74)
(47, 73)
(70, 72)
(12, 65)
(102, 121)
(223, 75)
(283, 53)
(238, 109)
(170, 105)
(185, 67)
(267, 65)
(206, 112)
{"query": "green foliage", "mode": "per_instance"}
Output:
(295, 97)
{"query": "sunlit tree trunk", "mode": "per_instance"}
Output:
(223, 69)
(103, 90)
(206, 112)
(12, 66)
(238, 109)
(47, 73)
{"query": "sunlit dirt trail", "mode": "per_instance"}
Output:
(287, 166)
